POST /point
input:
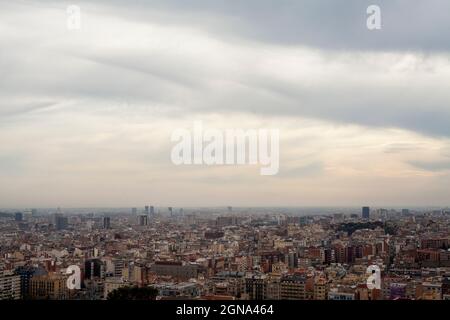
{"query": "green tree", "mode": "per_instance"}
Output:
(133, 293)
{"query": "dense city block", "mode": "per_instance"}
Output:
(224, 254)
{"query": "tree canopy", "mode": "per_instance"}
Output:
(133, 293)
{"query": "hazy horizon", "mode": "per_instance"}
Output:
(299, 209)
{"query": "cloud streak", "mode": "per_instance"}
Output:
(93, 109)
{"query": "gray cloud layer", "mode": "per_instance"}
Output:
(78, 108)
(422, 27)
(328, 24)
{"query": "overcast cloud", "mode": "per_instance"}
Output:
(86, 115)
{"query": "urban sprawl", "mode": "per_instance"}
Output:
(226, 254)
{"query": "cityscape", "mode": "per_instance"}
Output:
(224, 158)
(226, 253)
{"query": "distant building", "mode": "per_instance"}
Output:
(225, 221)
(143, 220)
(60, 222)
(303, 221)
(140, 274)
(366, 212)
(26, 273)
(446, 286)
(213, 234)
(397, 291)
(320, 289)
(49, 287)
(106, 223)
(147, 210)
(435, 243)
(18, 216)
(293, 287)
(112, 284)
(134, 211)
(118, 267)
(255, 287)
(184, 289)
(431, 291)
(291, 259)
(383, 213)
(9, 286)
(341, 296)
(273, 287)
(93, 268)
(175, 269)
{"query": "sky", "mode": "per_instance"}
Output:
(86, 116)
